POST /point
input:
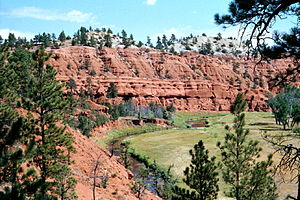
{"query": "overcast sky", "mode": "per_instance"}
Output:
(141, 18)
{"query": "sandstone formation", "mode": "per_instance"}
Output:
(190, 81)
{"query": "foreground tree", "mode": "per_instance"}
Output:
(16, 145)
(258, 16)
(53, 144)
(247, 178)
(201, 176)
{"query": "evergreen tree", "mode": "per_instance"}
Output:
(72, 85)
(108, 41)
(173, 38)
(124, 34)
(131, 37)
(11, 40)
(83, 38)
(258, 17)
(109, 31)
(158, 43)
(149, 43)
(239, 105)
(201, 175)
(14, 135)
(53, 144)
(112, 91)
(92, 41)
(172, 50)
(1, 39)
(62, 36)
(247, 178)
(165, 41)
(53, 37)
(140, 44)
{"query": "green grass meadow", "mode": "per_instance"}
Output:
(171, 147)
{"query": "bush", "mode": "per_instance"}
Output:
(100, 119)
(85, 125)
(171, 108)
(92, 72)
(112, 90)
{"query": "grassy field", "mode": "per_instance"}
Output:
(170, 147)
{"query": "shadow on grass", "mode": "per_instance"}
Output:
(260, 124)
(274, 129)
(268, 117)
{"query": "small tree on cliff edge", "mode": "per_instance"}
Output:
(112, 91)
(247, 178)
(201, 176)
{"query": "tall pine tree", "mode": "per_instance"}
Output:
(16, 145)
(247, 178)
(53, 144)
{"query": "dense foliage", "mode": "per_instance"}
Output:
(35, 151)
(286, 107)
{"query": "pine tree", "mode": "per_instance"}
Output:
(124, 34)
(247, 178)
(11, 40)
(62, 36)
(53, 144)
(201, 176)
(149, 43)
(109, 31)
(112, 91)
(15, 142)
(92, 41)
(239, 105)
(108, 41)
(173, 38)
(158, 43)
(165, 41)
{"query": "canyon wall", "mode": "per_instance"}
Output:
(190, 81)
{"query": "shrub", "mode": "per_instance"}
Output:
(100, 119)
(92, 72)
(85, 125)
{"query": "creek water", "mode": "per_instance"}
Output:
(136, 167)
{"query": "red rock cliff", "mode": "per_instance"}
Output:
(191, 81)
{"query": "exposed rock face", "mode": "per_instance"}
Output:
(191, 81)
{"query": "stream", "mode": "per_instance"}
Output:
(135, 166)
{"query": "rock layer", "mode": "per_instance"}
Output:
(190, 81)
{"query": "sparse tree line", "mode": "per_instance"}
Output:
(82, 37)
